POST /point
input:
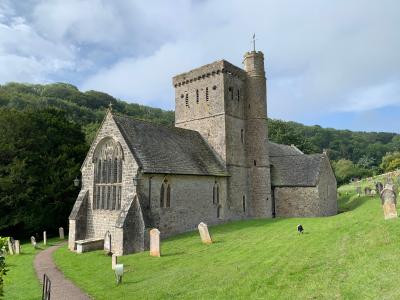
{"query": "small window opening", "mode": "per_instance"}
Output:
(219, 212)
(197, 96)
(255, 162)
(244, 203)
(207, 94)
(242, 135)
(214, 87)
(238, 95)
(231, 91)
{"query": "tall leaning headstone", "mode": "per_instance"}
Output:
(11, 246)
(44, 238)
(61, 233)
(204, 234)
(155, 242)
(33, 241)
(17, 245)
(388, 197)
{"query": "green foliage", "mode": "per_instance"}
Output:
(41, 153)
(345, 170)
(3, 245)
(391, 161)
(3, 272)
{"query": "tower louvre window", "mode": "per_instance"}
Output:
(197, 96)
(238, 95)
(244, 203)
(242, 135)
(187, 100)
(206, 93)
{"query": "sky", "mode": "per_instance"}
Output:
(331, 63)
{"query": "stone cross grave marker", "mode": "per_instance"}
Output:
(204, 234)
(107, 242)
(44, 238)
(33, 241)
(114, 261)
(61, 232)
(11, 246)
(17, 247)
(388, 197)
(155, 242)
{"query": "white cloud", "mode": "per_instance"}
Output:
(320, 56)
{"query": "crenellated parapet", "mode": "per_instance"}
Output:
(214, 69)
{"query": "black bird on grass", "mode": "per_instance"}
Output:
(300, 228)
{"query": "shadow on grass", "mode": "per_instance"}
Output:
(351, 202)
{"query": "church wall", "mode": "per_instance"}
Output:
(297, 201)
(191, 202)
(327, 188)
(100, 221)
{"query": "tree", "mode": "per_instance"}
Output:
(345, 170)
(40, 155)
(391, 161)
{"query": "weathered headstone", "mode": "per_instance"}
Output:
(61, 233)
(17, 247)
(107, 243)
(388, 197)
(358, 190)
(204, 234)
(44, 238)
(114, 261)
(33, 241)
(155, 242)
(379, 187)
(367, 191)
(373, 192)
(11, 246)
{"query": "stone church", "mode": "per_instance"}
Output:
(215, 165)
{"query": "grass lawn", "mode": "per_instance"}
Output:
(354, 255)
(21, 281)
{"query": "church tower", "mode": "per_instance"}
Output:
(257, 135)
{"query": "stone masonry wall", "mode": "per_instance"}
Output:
(191, 202)
(327, 188)
(297, 201)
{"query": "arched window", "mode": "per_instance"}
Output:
(107, 159)
(216, 193)
(165, 194)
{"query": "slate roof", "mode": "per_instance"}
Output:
(282, 150)
(296, 170)
(168, 150)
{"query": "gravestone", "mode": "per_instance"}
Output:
(358, 190)
(17, 247)
(114, 261)
(379, 187)
(204, 234)
(388, 197)
(373, 192)
(33, 241)
(107, 243)
(11, 246)
(367, 191)
(44, 238)
(61, 232)
(155, 242)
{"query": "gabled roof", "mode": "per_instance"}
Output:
(296, 170)
(283, 150)
(168, 150)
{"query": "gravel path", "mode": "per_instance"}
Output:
(61, 287)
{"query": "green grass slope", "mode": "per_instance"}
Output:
(21, 281)
(354, 255)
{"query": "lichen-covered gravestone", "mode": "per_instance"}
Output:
(11, 246)
(388, 197)
(155, 242)
(204, 234)
(61, 233)
(33, 241)
(17, 247)
(379, 187)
